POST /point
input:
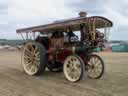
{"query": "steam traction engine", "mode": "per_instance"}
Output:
(67, 46)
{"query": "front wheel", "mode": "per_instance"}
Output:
(73, 68)
(95, 66)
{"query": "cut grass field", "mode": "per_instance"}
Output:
(14, 82)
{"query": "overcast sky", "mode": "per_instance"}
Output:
(25, 13)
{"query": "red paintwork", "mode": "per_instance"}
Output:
(62, 55)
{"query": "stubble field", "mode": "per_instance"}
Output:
(14, 82)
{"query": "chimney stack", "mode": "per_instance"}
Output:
(83, 14)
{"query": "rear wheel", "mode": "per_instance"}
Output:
(95, 66)
(73, 68)
(34, 58)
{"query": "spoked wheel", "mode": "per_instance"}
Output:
(34, 58)
(73, 68)
(95, 66)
